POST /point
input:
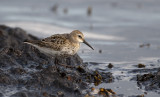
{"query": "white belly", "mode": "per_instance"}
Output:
(65, 51)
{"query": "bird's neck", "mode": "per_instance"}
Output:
(73, 40)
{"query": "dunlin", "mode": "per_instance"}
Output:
(60, 45)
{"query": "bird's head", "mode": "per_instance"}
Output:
(78, 36)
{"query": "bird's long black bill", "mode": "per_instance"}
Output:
(88, 44)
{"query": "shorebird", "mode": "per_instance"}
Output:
(60, 45)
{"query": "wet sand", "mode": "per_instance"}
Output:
(118, 30)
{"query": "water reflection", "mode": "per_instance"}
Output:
(48, 29)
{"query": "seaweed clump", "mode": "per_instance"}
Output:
(151, 81)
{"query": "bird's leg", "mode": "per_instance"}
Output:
(56, 62)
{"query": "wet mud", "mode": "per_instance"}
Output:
(147, 80)
(151, 81)
(25, 72)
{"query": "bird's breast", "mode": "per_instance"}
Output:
(71, 50)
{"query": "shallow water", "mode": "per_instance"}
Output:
(116, 29)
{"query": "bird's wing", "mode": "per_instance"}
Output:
(55, 38)
(57, 41)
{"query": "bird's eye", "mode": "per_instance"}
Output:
(80, 36)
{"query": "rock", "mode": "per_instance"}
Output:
(110, 65)
(145, 77)
(89, 11)
(1, 95)
(19, 94)
(151, 81)
(101, 92)
(22, 65)
(142, 95)
(60, 94)
(141, 65)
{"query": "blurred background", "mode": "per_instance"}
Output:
(122, 32)
(119, 30)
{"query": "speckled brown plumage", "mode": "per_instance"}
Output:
(60, 44)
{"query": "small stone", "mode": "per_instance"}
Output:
(45, 94)
(80, 69)
(1, 33)
(24, 94)
(60, 94)
(65, 10)
(141, 65)
(158, 60)
(145, 45)
(69, 78)
(92, 89)
(106, 92)
(19, 71)
(89, 11)
(54, 8)
(1, 95)
(39, 67)
(19, 94)
(145, 93)
(102, 89)
(100, 51)
(110, 65)
(87, 95)
(140, 95)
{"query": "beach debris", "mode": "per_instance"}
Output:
(158, 60)
(110, 65)
(89, 11)
(1, 33)
(145, 45)
(141, 95)
(100, 51)
(60, 94)
(149, 81)
(88, 95)
(145, 77)
(45, 94)
(141, 65)
(101, 92)
(54, 8)
(106, 92)
(97, 78)
(80, 69)
(65, 10)
(18, 71)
